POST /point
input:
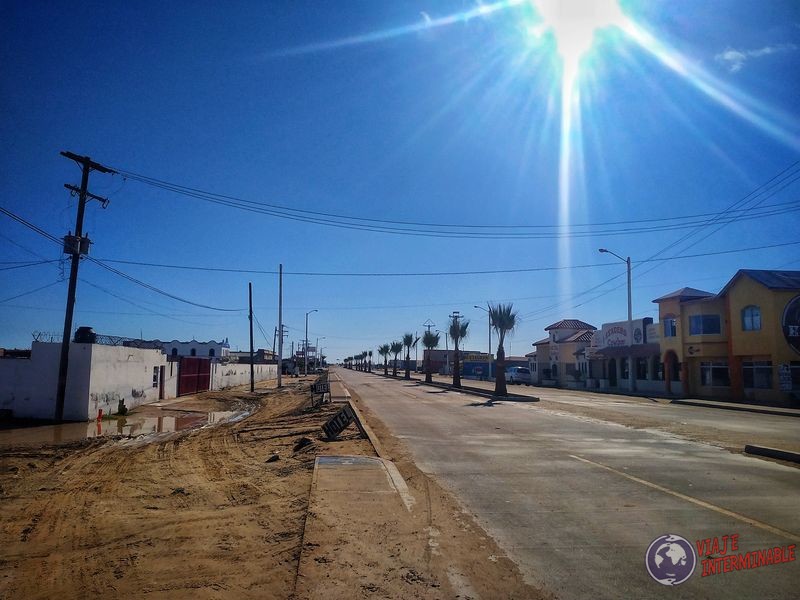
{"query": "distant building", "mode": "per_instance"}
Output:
(210, 349)
(555, 357)
(260, 356)
(611, 351)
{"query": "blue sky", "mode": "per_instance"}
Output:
(458, 124)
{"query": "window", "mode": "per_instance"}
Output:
(715, 374)
(174, 352)
(554, 371)
(704, 325)
(193, 352)
(623, 364)
(757, 374)
(670, 327)
(211, 353)
(155, 376)
(795, 370)
(751, 318)
(658, 369)
(641, 368)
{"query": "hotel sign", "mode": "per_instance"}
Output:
(616, 334)
(791, 323)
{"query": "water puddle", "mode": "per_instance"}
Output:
(131, 426)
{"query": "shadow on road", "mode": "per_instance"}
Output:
(488, 404)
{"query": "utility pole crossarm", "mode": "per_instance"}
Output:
(85, 161)
(88, 195)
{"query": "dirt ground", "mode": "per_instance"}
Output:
(204, 514)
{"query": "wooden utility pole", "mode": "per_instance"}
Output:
(280, 322)
(250, 297)
(75, 246)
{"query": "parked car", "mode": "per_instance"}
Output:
(518, 375)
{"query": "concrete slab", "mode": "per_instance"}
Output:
(356, 512)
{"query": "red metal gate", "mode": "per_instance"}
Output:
(194, 375)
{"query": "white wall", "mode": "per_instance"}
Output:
(122, 373)
(225, 376)
(28, 385)
(99, 377)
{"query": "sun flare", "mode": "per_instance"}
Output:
(574, 23)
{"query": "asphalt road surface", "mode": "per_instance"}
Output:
(576, 501)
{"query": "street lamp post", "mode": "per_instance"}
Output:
(489, 358)
(319, 353)
(631, 373)
(305, 352)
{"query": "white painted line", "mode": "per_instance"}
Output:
(723, 511)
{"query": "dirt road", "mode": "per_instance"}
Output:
(204, 514)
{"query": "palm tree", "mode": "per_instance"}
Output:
(458, 332)
(369, 364)
(503, 318)
(430, 340)
(384, 352)
(409, 342)
(396, 348)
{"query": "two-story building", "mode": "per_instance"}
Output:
(556, 361)
(763, 335)
(740, 344)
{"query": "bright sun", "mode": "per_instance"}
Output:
(574, 23)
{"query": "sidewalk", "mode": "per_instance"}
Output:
(755, 408)
(357, 529)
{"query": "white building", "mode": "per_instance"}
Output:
(98, 378)
(210, 349)
(101, 376)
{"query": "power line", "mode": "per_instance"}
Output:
(159, 290)
(38, 289)
(261, 329)
(130, 278)
(29, 264)
(440, 273)
(452, 230)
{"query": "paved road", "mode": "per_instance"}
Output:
(732, 429)
(576, 501)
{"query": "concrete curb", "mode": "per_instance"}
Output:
(482, 393)
(373, 439)
(773, 453)
(766, 410)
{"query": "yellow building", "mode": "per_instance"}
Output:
(740, 344)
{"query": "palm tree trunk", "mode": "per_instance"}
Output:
(408, 364)
(428, 378)
(394, 366)
(456, 367)
(500, 373)
(385, 366)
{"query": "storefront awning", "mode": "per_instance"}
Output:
(637, 351)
